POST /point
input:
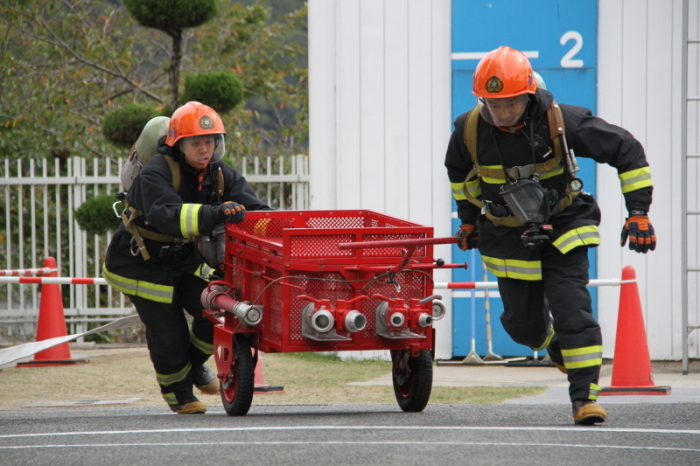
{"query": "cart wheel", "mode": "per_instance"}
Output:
(413, 379)
(237, 391)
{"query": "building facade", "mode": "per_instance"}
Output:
(386, 79)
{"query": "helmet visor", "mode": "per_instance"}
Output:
(507, 112)
(199, 151)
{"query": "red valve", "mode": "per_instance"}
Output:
(396, 314)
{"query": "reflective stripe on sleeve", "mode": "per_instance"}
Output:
(189, 220)
(457, 193)
(583, 236)
(635, 179)
(518, 269)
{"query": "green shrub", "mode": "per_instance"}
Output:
(220, 90)
(123, 126)
(96, 215)
(171, 15)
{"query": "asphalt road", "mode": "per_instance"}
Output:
(343, 434)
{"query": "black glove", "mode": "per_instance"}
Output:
(231, 212)
(468, 237)
(640, 232)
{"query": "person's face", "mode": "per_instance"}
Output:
(507, 112)
(198, 150)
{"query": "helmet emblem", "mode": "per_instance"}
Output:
(494, 84)
(206, 122)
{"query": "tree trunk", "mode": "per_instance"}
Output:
(174, 69)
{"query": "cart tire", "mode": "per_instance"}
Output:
(237, 394)
(412, 378)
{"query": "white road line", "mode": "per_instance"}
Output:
(365, 443)
(578, 430)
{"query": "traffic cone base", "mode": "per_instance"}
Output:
(52, 362)
(259, 384)
(51, 323)
(631, 371)
(659, 390)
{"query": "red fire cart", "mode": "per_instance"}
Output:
(325, 281)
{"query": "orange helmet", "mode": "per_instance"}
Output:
(193, 119)
(504, 72)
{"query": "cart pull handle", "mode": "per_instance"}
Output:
(409, 247)
(394, 243)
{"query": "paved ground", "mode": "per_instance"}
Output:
(641, 430)
(683, 388)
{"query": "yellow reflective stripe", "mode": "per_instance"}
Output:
(588, 356)
(518, 269)
(144, 289)
(547, 340)
(473, 187)
(189, 220)
(490, 180)
(551, 173)
(179, 376)
(593, 391)
(170, 398)
(204, 271)
(203, 346)
(493, 180)
(457, 193)
(576, 237)
(635, 179)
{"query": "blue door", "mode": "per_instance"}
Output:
(560, 39)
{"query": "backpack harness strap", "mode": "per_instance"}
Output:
(130, 213)
(556, 125)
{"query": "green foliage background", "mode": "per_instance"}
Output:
(67, 64)
(64, 65)
(221, 90)
(171, 15)
(124, 125)
(96, 215)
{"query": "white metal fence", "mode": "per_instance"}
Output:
(37, 203)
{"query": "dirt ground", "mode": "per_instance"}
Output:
(123, 374)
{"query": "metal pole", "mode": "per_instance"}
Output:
(684, 194)
(490, 355)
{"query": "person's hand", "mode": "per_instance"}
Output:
(231, 212)
(640, 232)
(468, 237)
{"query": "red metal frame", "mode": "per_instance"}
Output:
(294, 263)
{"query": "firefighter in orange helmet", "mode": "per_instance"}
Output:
(181, 193)
(512, 165)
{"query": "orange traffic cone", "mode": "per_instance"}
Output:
(631, 371)
(51, 324)
(259, 384)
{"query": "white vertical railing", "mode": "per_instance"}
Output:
(38, 199)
